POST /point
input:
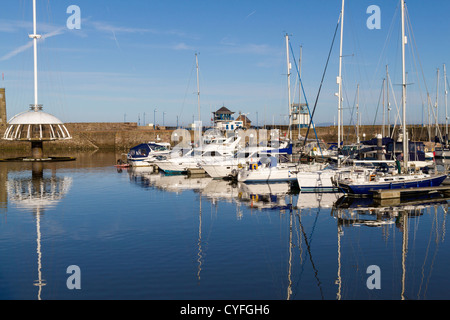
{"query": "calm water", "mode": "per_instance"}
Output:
(139, 235)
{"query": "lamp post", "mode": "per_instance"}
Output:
(154, 119)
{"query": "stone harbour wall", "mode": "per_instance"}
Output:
(122, 136)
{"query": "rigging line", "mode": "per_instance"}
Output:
(389, 34)
(415, 45)
(396, 107)
(352, 111)
(424, 263)
(308, 247)
(409, 25)
(187, 88)
(306, 100)
(345, 93)
(378, 105)
(323, 76)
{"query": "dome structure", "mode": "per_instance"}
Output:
(36, 126)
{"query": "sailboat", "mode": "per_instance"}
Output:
(364, 183)
(275, 170)
(229, 167)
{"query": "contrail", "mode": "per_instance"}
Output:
(30, 44)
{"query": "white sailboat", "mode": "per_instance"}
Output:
(367, 182)
(275, 171)
(230, 166)
(321, 179)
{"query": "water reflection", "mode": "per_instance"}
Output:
(32, 191)
(397, 213)
(178, 237)
(363, 218)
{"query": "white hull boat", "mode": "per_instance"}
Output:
(145, 154)
(194, 157)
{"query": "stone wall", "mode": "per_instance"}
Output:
(122, 136)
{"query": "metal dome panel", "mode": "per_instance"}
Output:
(34, 117)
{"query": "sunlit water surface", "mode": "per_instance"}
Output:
(135, 234)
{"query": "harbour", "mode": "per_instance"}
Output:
(224, 207)
(138, 234)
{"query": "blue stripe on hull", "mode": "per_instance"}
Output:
(319, 189)
(173, 172)
(367, 188)
(256, 181)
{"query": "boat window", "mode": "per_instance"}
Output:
(241, 155)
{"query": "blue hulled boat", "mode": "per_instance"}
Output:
(365, 185)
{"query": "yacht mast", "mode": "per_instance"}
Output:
(388, 104)
(339, 81)
(383, 131)
(289, 85)
(299, 90)
(446, 114)
(35, 36)
(405, 137)
(437, 103)
(357, 114)
(198, 88)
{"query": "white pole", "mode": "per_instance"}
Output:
(437, 103)
(35, 36)
(357, 114)
(339, 81)
(446, 114)
(405, 138)
(388, 103)
(289, 85)
(198, 89)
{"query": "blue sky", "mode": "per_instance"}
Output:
(132, 57)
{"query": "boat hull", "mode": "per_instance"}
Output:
(442, 154)
(268, 175)
(369, 187)
(317, 181)
(220, 171)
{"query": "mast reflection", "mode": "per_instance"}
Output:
(35, 193)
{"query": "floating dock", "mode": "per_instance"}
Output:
(397, 193)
